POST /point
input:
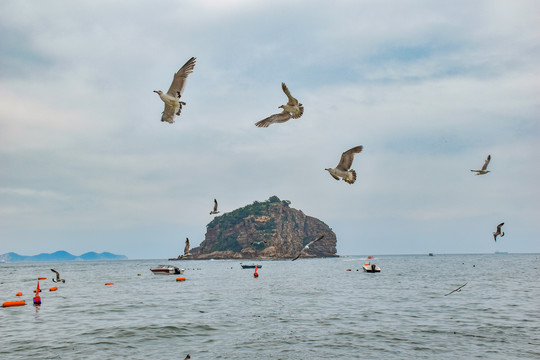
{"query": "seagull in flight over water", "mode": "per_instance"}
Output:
(293, 109)
(456, 290)
(484, 170)
(173, 105)
(498, 232)
(307, 247)
(345, 163)
(57, 279)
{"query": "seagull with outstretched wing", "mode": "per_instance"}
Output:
(215, 211)
(293, 109)
(343, 169)
(57, 279)
(186, 248)
(307, 247)
(498, 232)
(484, 169)
(456, 290)
(173, 105)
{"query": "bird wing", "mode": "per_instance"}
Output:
(292, 101)
(484, 167)
(168, 114)
(458, 289)
(186, 249)
(276, 118)
(499, 227)
(215, 205)
(57, 273)
(347, 158)
(297, 256)
(317, 239)
(179, 80)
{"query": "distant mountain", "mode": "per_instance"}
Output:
(59, 256)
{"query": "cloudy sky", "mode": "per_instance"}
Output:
(428, 88)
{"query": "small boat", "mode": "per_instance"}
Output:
(252, 266)
(430, 254)
(372, 268)
(167, 270)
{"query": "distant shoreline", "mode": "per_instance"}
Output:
(61, 255)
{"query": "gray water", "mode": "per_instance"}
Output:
(307, 309)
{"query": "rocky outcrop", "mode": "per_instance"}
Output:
(265, 230)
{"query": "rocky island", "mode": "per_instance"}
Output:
(264, 230)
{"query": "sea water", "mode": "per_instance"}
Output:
(306, 309)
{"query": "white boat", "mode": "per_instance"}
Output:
(372, 268)
(167, 270)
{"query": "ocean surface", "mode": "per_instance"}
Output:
(306, 309)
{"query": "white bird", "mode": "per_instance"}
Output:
(484, 170)
(307, 247)
(345, 163)
(456, 290)
(498, 232)
(293, 109)
(57, 279)
(215, 211)
(173, 105)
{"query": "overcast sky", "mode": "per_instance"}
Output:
(428, 88)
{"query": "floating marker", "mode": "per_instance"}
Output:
(18, 294)
(109, 283)
(255, 273)
(348, 270)
(42, 278)
(14, 303)
(54, 288)
(181, 279)
(37, 299)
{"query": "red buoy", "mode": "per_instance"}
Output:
(37, 299)
(18, 294)
(255, 273)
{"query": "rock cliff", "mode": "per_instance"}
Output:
(269, 229)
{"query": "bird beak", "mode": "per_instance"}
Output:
(156, 91)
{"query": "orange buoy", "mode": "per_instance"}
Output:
(14, 303)
(255, 274)
(181, 279)
(109, 283)
(370, 257)
(348, 270)
(42, 278)
(54, 288)
(18, 294)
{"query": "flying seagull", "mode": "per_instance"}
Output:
(456, 290)
(215, 211)
(307, 247)
(186, 249)
(57, 279)
(187, 357)
(484, 170)
(173, 105)
(258, 242)
(498, 232)
(293, 109)
(342, 170)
